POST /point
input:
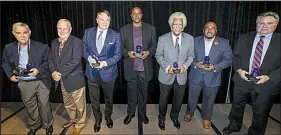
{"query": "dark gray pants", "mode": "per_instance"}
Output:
(137, 94)
(165, 91)
(35, 97)
(94, 90)
(209, 96)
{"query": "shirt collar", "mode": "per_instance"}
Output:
(266, 36)
(104, 31)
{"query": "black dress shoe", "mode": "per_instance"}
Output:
(228, 130)
(109, 122)
(33, 131)
(145, 120)
(128, 119)
(97, 125)
(49, 130)
(161, 124)
(177, 124)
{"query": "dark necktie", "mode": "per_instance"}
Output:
(258, 54)
(61, 47)
(177, 46)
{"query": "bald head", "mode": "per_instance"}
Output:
(210, 30)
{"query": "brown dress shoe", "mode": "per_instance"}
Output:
(206, 124)
(67, 124)
(76, 131)
(187, 117)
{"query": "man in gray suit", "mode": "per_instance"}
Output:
(207, 78)
(174, 53)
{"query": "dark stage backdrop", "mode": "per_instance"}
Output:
(232, 18)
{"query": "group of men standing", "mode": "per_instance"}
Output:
(176, 51)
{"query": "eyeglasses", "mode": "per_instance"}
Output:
(269, 24)
(207, 28)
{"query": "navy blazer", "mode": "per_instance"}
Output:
(38, 56)
(220, 56)
(69, 63)
(111, 53)
(270, 65)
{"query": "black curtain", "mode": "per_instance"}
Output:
(232, 18)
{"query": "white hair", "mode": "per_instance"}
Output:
(177, 15)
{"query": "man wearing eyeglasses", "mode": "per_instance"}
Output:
(207, 77)
(256, 51)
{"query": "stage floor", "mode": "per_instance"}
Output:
(14, 118)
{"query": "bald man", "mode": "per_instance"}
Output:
(207, 78)
(138, 70)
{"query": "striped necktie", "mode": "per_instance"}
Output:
(258, 54)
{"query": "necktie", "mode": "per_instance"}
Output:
(177, 46)
(99, 42)
(258, 54)
(61, 47)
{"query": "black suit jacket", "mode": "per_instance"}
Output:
(69, 63)
(149, 43)
(270, 65)
(38, 56)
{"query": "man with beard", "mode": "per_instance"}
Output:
(174, 53)
(138, 71)
(204, 76)
(102, 50)
(256, 50)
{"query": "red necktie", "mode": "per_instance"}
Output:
(258, 54)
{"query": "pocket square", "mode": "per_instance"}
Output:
(111, 43)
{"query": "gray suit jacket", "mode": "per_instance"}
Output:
(220, 56)
(166, 56)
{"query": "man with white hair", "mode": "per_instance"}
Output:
(32, 56)
(67, 70)
(174, 53)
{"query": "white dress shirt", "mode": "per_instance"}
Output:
(208, 45)
(103, 36)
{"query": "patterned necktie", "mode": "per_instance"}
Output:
(99, 42)
(61, 47)
(258, 54)
(177, 46)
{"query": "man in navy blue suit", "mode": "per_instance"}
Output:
(102, 50)
(35, 91)
(207, 78)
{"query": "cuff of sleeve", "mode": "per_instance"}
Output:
(167, 69)
(105, 63)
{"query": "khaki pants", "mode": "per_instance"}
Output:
(75, 105)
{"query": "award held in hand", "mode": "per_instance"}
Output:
(23, 73)
(206, 62)
(97, 63)
(138, 52)
(176, 68)
(253, 75)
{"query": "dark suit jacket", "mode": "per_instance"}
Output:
(38, 56)
(69, 63)
(270, 65)
(149, 43)
(111, 53)
(220, 56)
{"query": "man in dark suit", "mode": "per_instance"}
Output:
(174, 53)
(67, 70)
(207, 77)
(102, 50)
(34, 89)
(256, 51)
(138, 70)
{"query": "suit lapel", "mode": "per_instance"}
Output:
(16, 60)
(213, 49)
(201, 47)
(107, 39)
(92, 44)
(66, 46)
(271, 48)
(171, 43)
(131, 37)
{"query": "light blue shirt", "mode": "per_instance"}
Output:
(266, 41)
(23, 56)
